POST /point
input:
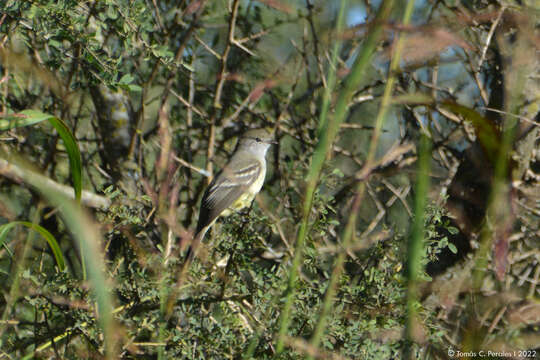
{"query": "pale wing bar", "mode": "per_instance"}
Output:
(239, 178)
(231, 185)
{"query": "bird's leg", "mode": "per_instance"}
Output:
(250, 206)
(246, 213)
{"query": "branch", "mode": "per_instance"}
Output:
(19, 174)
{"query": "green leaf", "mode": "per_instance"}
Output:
(134, 88)
(13, 121)
(55, 44)
(53, 244)
(30, 117)
(189, 67)
(452, 248)
(87, 236)
(112, 13)
(488, 135)
(452, 230)
(126, 79)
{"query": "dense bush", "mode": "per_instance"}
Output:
(399, 216)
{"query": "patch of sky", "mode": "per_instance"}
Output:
(356, 15)
(454, 74)
(421, 9)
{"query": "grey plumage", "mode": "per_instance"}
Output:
(235, 185)
(227, 187)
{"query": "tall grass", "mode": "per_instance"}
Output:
(327, 135)
(88, 240)
(348, 235)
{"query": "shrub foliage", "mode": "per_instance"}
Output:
(400, 212)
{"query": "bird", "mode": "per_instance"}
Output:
(235, 186)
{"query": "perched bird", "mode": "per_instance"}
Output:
(236, 185)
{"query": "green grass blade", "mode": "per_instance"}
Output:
(25, 118)
(31, 117)
(328, 133)
(88, 240)
(416, 243)
(53, 244)
(349, 232)
(74, 154)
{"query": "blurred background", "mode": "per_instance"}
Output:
(356, 248)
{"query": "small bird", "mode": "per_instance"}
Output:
(236, 185)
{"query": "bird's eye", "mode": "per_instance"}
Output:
(258, 139)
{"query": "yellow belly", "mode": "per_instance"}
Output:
(246, 198)
(242, 202)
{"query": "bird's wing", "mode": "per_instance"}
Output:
(233, 181)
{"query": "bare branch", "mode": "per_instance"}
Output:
(20, 174)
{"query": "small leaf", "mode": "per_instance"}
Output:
(55, 44)
(337, 172)
(126, 79)
(26, 118)
(452, 248)
(452, 230)
(134, 88)
(53, 244)
(112, 13)
(188, 67)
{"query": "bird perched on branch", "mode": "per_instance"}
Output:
(236, 185)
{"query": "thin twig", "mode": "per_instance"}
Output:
(206, 46)
(489, 36)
